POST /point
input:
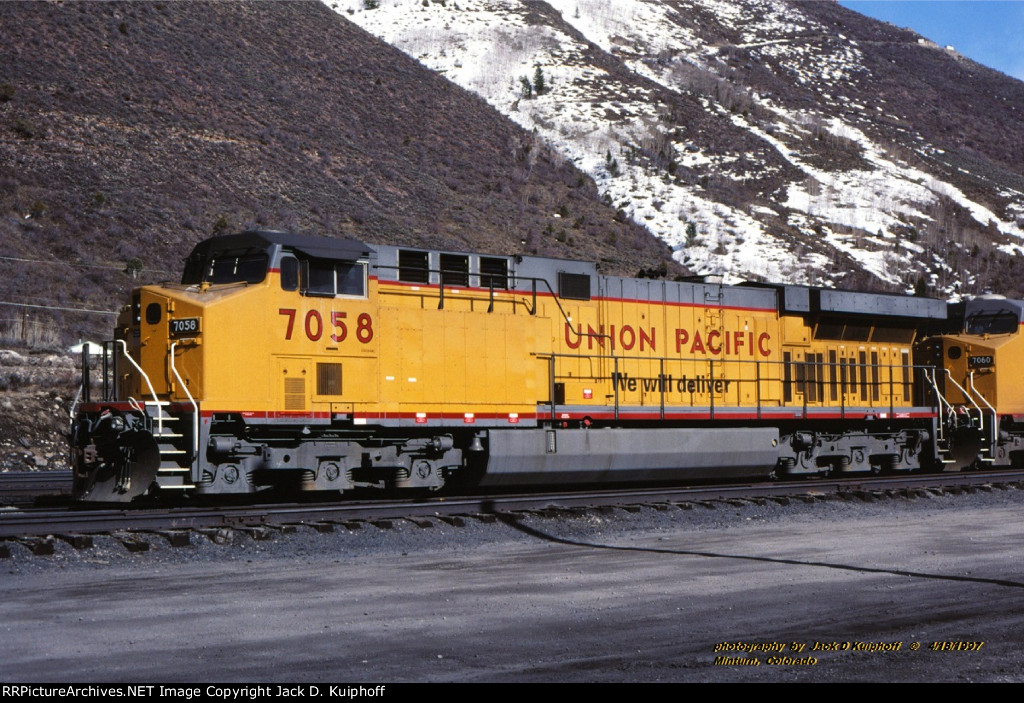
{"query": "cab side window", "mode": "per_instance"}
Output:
(289, 273)
(320, 279)
(351, 279)
(327, 279)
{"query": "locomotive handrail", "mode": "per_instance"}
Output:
(930, 377)
(145, 376)
(74, 405)
(441, 284)
(711, 394)
(84, 386)
(842, 401)
(110, 374)
(86, 381)
(892, 402)
(514, 278)
(993, 434)
(551, 384)
(195, 407)
(615, 386)
(970, 382)
(757, 388)
(804, 393)
(717, 399)
(637, 357)
(661, 374)
(981, 415)
(106, 370)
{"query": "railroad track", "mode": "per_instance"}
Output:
(38, 527)
(19, 486)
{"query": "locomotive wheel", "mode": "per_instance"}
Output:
(125, 473)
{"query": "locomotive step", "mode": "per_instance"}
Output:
(157, 412)
(169, 479)
(175, 486)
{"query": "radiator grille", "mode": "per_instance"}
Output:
(328, 379)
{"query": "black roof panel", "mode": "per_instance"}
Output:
(317, 247)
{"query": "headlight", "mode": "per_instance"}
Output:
(153, 313)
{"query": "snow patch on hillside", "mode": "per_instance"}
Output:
(497, 49)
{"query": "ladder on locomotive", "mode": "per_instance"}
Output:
(943, 442)
(949, 421)
(175, 447)
(989, 432)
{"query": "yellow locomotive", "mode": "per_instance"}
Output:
(324, 364)
(981, 412)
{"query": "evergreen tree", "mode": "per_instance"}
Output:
(921, 287)
(527, 88)
(133, 266)
(691, 234)
(538, 81)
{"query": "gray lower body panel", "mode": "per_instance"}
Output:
(609, 455)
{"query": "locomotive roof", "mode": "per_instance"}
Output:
(802, 299)
(317, 247)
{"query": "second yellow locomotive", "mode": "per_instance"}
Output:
(326, 364)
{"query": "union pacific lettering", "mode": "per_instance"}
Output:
(735, 343)
(625, 337)
(628, 337)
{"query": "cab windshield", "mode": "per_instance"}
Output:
(999, 322)
(227, 267)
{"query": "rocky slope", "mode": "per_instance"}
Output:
(36, 394)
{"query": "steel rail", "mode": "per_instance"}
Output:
(37, 522)
(31, 484)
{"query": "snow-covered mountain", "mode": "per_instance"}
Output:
(762, 139)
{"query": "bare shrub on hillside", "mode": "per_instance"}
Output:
(30, 332)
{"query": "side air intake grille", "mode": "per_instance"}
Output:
(328, 379)
(294, 394)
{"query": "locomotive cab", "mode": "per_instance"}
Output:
(983, 400)
(167, 377)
